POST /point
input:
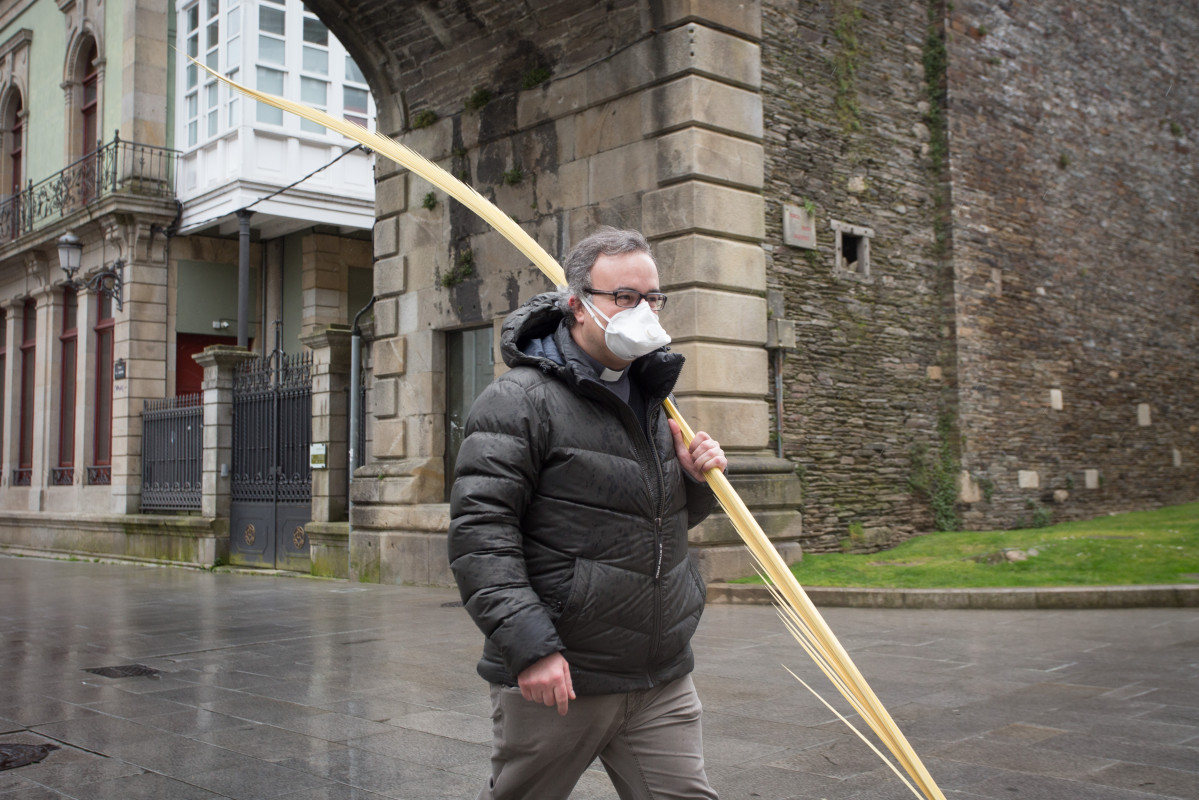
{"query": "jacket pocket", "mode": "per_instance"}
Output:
(699, 581)
(575, 599)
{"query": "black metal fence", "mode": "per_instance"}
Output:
(172, 453)
(272, 428)
(113, 168)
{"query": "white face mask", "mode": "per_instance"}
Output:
(632, 332)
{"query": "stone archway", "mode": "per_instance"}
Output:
(569, 115)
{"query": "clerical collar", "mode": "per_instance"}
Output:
(617, 380)
(611, 375)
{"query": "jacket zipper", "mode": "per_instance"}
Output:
(659, 497)
(658, 543)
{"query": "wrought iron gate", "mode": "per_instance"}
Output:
(271, 480)
(172, 453)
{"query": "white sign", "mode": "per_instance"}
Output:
(316, 456)
(799, 228)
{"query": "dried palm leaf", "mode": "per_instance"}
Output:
(798, 613)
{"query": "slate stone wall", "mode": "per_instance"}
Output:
(868, 380)
(1042, 254)
(1077, 257)
(1049, 325)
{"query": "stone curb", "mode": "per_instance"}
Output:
(1170, 596)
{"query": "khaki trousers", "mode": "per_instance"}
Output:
(648, 741)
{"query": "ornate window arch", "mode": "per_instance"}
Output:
(13, 132)
(83, 86)
(14, 93)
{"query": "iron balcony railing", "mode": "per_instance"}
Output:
(114, 168)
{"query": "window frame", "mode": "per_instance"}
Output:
(100, 471)
(241, 58)
(863, 235)
(68, 389)
(27, 412)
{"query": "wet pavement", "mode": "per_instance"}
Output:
(304, 689)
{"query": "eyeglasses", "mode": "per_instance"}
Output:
(629, 298)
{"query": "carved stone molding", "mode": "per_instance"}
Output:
(37, 271)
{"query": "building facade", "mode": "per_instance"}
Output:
(932, 265)
(147, 165)
(914, 270)
(78, 363)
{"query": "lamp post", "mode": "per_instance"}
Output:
(109, 281)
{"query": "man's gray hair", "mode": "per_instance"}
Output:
(606, 241)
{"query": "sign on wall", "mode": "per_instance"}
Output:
(799, 227)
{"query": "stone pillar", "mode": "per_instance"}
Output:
(139, 339)
(330, 405)
(50, 408)
(707, 224)
(43, 396)
(144, 88)
(218, 362)
(324, 281)
(665, 136)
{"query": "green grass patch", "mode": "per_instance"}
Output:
(1144, 547)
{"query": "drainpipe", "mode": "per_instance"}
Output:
(243, 277)
(780, 337)
(778, 399)
(355, 382)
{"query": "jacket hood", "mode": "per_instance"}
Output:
(527, 334)
(533, 335)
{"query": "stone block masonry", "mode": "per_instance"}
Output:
(1046, 327)
(996, 325)
(631, 114)
(1076, 254)
(864, 387)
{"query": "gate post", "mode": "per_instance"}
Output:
(330, 376)
(218, 361)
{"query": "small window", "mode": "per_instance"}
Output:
(852, 251)
(316, 94)
(470, 366)
(356, 105)
(271, 82)
(271, 20)
(315, 32)
(353, 73)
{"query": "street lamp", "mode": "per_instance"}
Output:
(108, 281)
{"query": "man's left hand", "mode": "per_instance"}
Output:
(704, 453)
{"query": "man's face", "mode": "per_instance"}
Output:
(609, 273)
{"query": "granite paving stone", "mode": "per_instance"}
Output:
(364, 769)
(34, 792)
(261, 781)
(337, 791)
(143, 786)
(1151, 780)
(268, 743)
(71, 769)
(11, 782)
(278, 687)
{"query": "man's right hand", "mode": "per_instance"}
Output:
(547, 681)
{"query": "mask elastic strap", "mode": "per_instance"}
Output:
(592, 310)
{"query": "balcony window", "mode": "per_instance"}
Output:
(277, 47)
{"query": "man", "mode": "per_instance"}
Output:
(568, 539)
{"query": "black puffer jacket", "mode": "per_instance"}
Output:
(569, 523)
